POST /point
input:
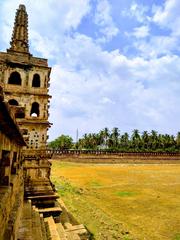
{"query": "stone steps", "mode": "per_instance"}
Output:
(36, 192)
(52, 229)
(36, 225)
(31, 225)
(40, 192)
(68, 232)
(43, 227)
(61, 231)
(38, 187)
(76, 230)
(39, 223)
(25, 229)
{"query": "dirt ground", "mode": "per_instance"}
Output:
(138, 202)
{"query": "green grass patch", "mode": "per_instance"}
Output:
(177, 237)
(64, 187)
(64, 164)
(95, 184)
(125, 194)
(127, 238)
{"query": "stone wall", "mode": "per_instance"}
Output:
(144, 158)
(11, 173)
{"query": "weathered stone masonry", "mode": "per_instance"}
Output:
(29, 209)
(25, 80)
(11, 172)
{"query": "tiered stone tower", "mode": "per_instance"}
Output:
(26, 173)
(25, 80)
(19, 41)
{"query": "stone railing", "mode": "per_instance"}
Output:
(105, 152)
(87, 156)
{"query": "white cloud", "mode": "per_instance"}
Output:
(104, 19)
(49, 18)
(93, 88)
(39, 43)
(141, 32)
(157, 46)
(137, 11)
(112, 90)
(106, 100)
(167, 16)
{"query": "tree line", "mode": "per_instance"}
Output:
(113, 140)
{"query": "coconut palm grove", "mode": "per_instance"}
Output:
(114, 140)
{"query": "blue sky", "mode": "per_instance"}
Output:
(115, 63)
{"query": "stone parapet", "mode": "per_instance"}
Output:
(27, 61)
(147, 158)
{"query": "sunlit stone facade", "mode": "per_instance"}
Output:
(25, 80)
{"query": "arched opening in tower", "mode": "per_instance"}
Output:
(35, 110)
(13, 102)
(15, 78)
(36, 81)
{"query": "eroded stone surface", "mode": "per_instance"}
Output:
(28, 203)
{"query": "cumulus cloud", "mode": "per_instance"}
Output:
(114, 88)
(138, 12)
(167, 16)
(49, 18)
(104, 20)
(141, 32)
(157, 46)
(93, 86)
(161, 26)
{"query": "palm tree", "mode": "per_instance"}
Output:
(178, 140)
(115, 136)
(124, 141)
(161, 142)
(145, 140)
(105, 135)
(110, 142)
(94, 141)
(135, 140)
(154, 139)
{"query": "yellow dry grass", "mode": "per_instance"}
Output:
(122, 201)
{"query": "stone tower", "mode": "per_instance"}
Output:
(29, 206)
(25, 81)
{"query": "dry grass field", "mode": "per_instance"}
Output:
(126, 202)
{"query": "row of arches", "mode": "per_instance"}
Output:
(15, 79)
(34, 108)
